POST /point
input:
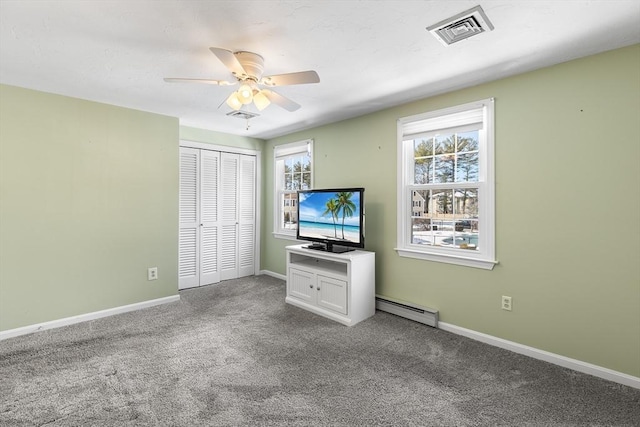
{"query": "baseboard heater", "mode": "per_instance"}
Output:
(408, 310)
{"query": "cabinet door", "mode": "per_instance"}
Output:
(188, 214)
(209, 217)
(302, 285)
(247, 216)
(238, 214)
(332, 294)
(229, 230)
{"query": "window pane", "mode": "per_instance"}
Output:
(420, 218)
(465, 234)
(468, 141)
(297, 181)
(423, 161)
(444, 168)
(423, 147)
(306, 181)
(297, 165)
(420, 203)
(466, 203)
(467, 167)
(445, 144)
(421, 233)
(423, 170)
(443, 200)
(289, 218)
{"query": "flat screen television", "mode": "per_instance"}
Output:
(331, 218)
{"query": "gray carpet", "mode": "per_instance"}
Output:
(234, 354)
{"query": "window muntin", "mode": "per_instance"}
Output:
(445, 204)
(293, 172)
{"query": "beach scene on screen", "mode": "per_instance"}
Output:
(329, 216)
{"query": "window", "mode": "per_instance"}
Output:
(446, 205)
(293, 172)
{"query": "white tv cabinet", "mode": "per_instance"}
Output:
(340, 287)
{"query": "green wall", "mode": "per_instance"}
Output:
(567, 218)
(219, 138)
(89, 195)
(88, 201)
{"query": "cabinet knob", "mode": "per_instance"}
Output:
(318, 288)
(311, 286)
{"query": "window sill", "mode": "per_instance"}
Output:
(279, 235)
(484, 264)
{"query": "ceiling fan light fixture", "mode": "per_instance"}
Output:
(245, 93)
(261, 101)
(234, 102)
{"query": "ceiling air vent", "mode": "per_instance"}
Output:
(462, 26)
(242, 114)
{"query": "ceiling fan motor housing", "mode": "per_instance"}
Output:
(252, 63)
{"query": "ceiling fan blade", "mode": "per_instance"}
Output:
(229, 60)
(280, 100)
(299, 78)
(206, 81)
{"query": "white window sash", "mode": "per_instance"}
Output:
(459, 119)
(280, 154)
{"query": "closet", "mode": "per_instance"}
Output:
(217, 216)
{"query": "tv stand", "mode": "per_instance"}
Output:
(338, 286)
(329, 248)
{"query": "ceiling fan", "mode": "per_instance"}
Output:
(247, 68)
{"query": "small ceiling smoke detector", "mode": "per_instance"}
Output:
(242, 114)
(462, 26)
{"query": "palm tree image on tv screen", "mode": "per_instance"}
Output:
(330, 217)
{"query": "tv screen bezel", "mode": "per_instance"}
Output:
(330, 244)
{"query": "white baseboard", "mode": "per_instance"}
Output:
(85, 317)
(272, 274)
(556, 359)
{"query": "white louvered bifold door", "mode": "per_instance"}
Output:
(209, 217)
(229, 227)
(217, 217)
(189, 224)
(246, 216)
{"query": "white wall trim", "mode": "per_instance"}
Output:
(11, 333)
(215, 147)
(556, 359)
(273, 274)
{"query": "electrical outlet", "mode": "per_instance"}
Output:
(152, 273)
(506, 303)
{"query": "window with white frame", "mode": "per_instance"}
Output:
(446, 189)
(293, 172)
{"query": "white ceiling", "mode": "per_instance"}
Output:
(369, 54)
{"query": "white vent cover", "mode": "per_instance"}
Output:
(462, 26)
(242, 114)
